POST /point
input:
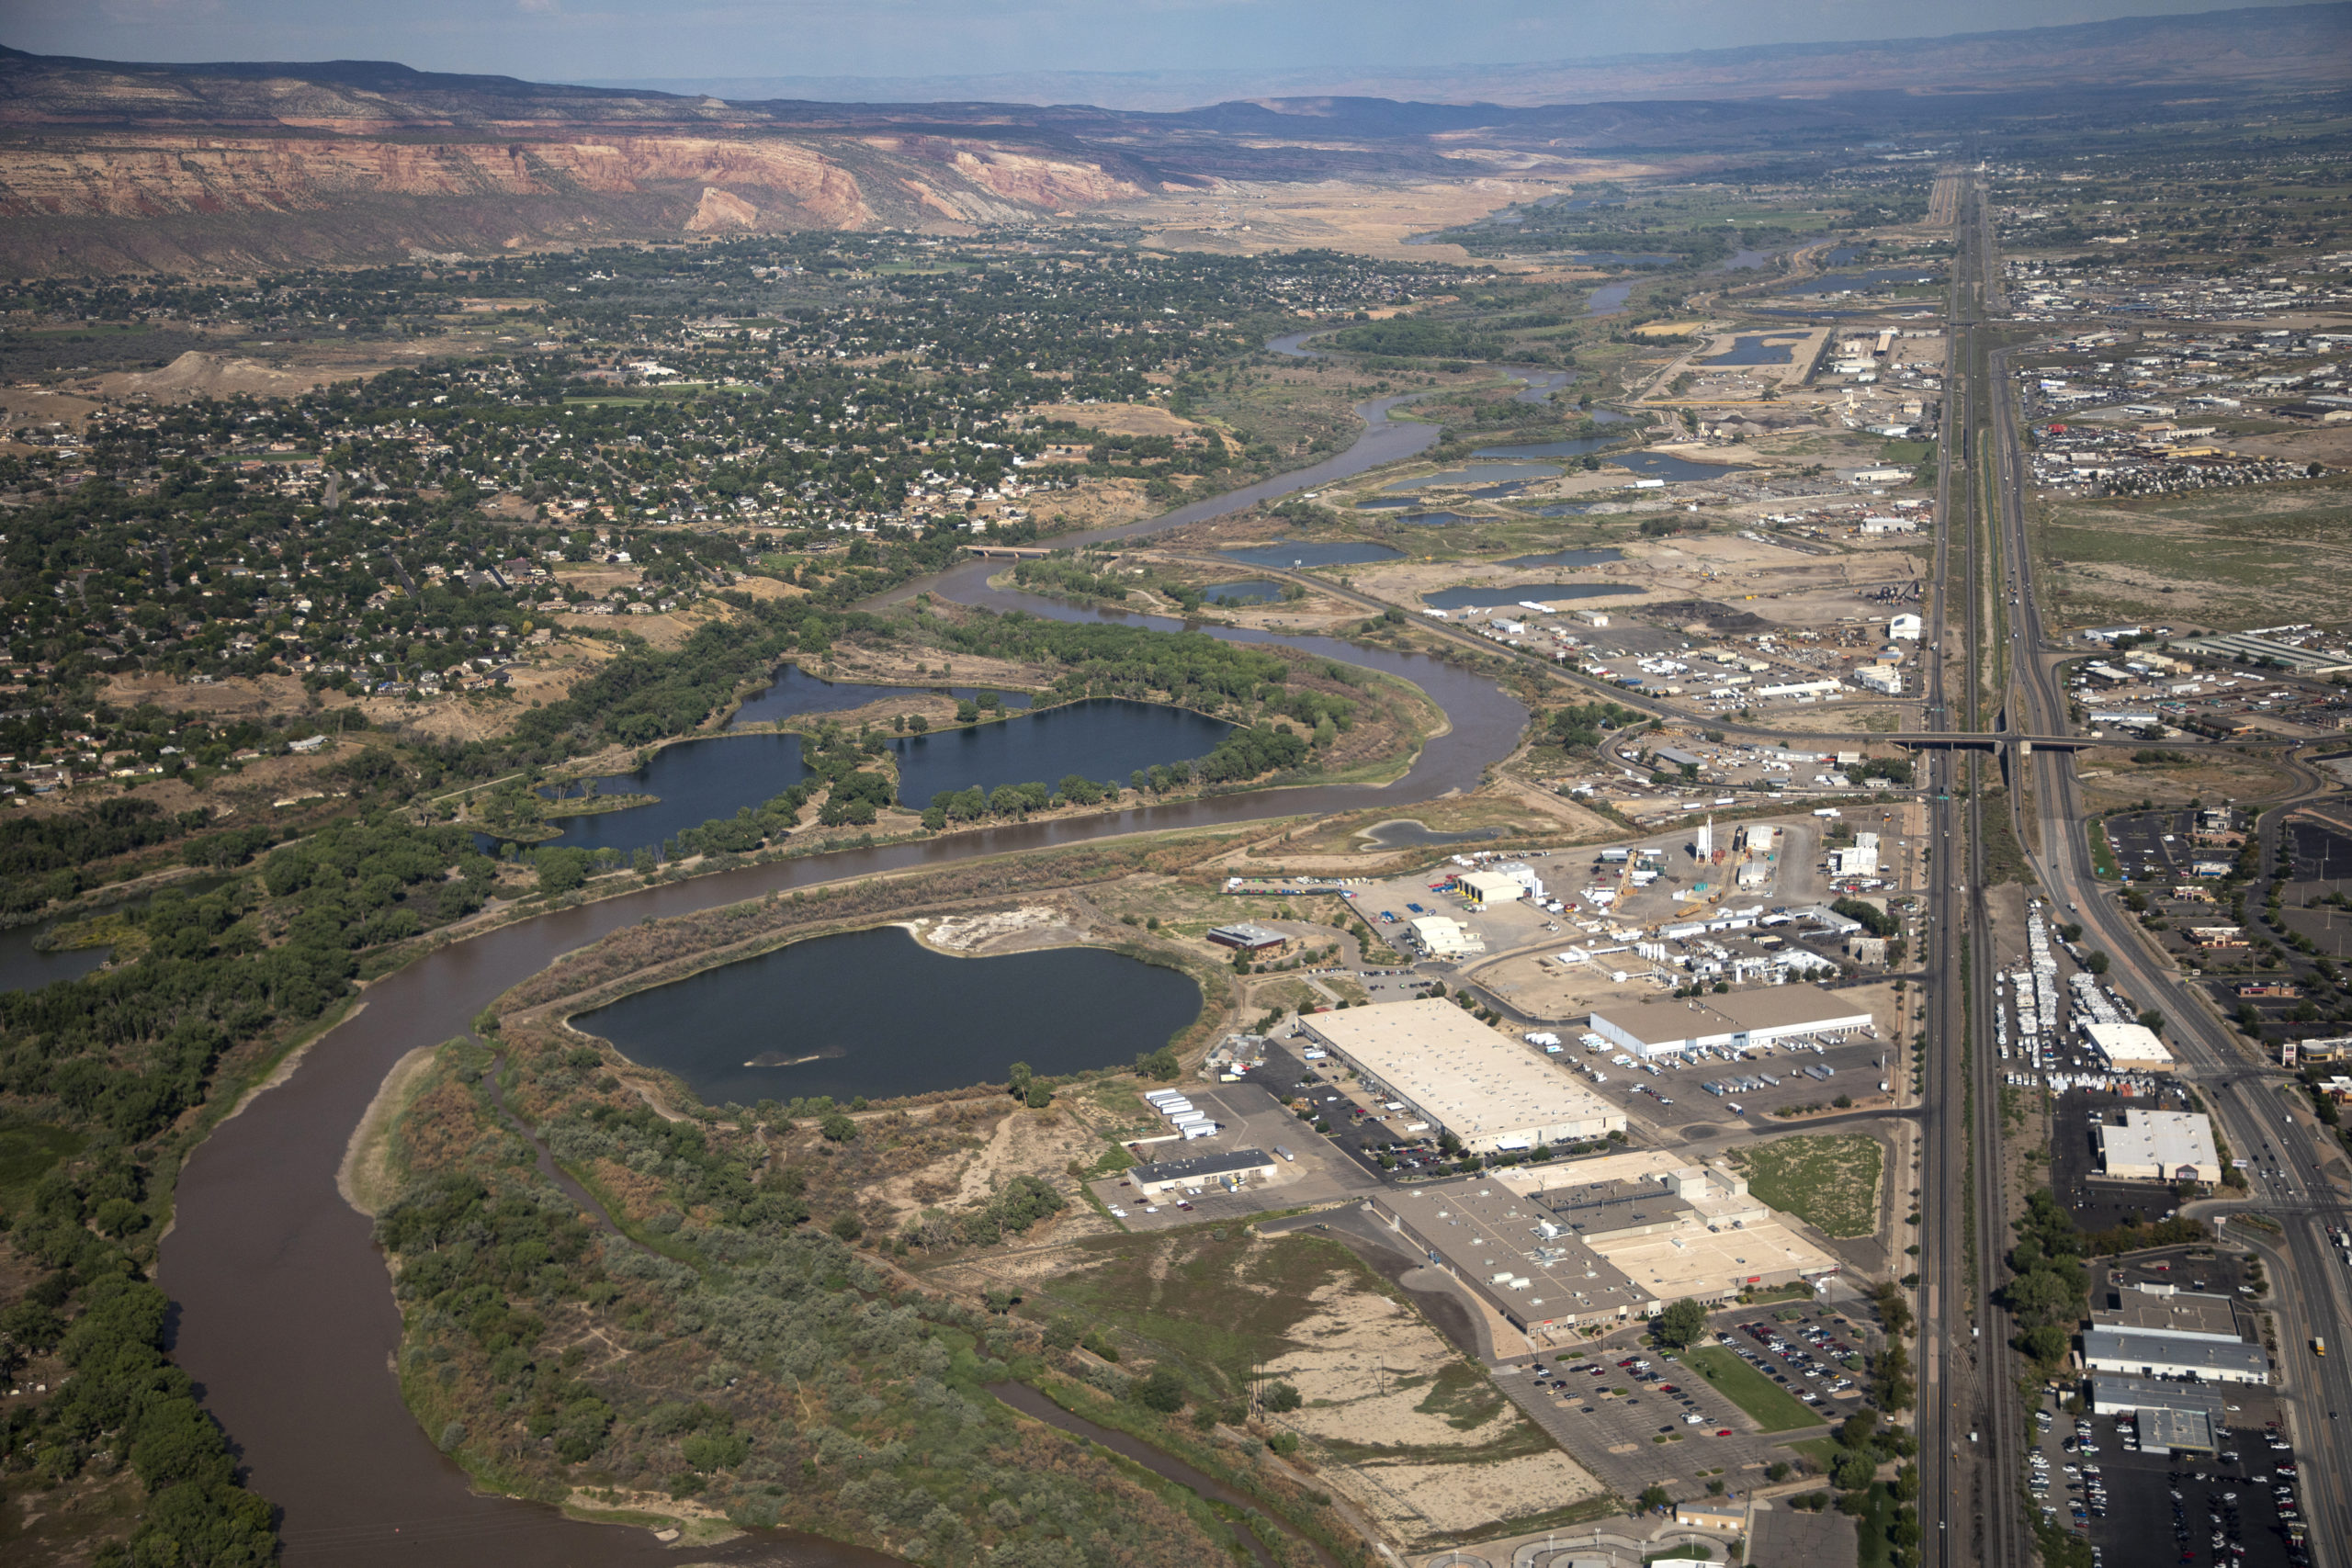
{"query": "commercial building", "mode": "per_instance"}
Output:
(1728, 1514)
(2130, 1047)
(2172, 1357)
(1246, 936)
(1905, 629)
(1605, 1241)
(1884, 679)
(1742, 1019)
(2171, 1417)
(2181, 1314)
(2159, 1145)
(1462, 1077)
(1233, 1169)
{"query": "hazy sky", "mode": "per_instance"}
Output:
(587, 39)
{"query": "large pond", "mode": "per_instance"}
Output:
(1104, 738)
(1758, 349)
(876, 1013)
(1667, 466)
(1522, 593)
(796, 691)
(1312, 552)
(24, 967)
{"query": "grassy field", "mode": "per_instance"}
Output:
(1774, 1408)
(1829, 1181)
(2221, 558)
(27, 1150)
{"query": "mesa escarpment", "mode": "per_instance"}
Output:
(132, 166)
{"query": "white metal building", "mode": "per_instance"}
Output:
(1462, 1078)
(1663, 1026)
(2159, 1145)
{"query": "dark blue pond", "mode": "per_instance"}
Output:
(1607, 300)
(24, 967)
(1617, 258)
(1256, 591)
(1667, 467)
(796, 691)
(1520, 592)
(1756, 350)
(1568, 559)
(698, 780)
(876, 1013)
(1104, 738)
(1744, 261)
(1311, 552)
(1478, 473)
(1431, 519)
(1844, 256)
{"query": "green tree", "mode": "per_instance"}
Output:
(1164, 1391)
(1681, 1324)
(1282, 1397)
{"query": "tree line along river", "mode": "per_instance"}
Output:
(283, 1311)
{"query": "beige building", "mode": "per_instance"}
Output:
(1494, 1094)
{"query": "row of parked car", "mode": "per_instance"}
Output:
(1832, 1380)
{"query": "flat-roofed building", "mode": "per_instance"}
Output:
(1665, 1027)
(2182, 1313)
(2170, 1418)
(2159, 1145)
(1610, 1240)
(2168, 1356)
(1231, 1168)
(1248, 936)
(2130, 1047)
(1442, 936)
(1462, 1077)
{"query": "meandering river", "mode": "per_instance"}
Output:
(283, 1310)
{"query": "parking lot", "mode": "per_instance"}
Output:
(2137, 1507)
(2094, 1202)
(1632, 1425)
(1675, 1097)
(1247, 1117)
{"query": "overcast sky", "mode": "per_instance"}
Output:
(635, 39)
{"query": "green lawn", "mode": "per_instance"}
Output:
(1774, 1408)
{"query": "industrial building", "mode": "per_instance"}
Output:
(1248, 936)
(1462, 1077)
(1230, 1169)
(2130, 1047)
(1442, 936)
(2163, 1310)
(2170, 1418)
(2159, 1145)
(1486, 888)
(2171, 1356)
(1665, 1027)
(1607, 1241)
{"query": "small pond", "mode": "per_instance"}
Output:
(876, 1013)
(1861, 282)
(1607, 300)
(1572, 448)
(1758, 350)
(1482, 598)
(1312, 552)
(1254, 590)
(1619, 258)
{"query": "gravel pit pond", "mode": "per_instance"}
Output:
(876, 1013)
(796, 691)
(1106, 738)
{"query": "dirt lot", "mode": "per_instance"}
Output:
(1117, 419)
(2111, 779)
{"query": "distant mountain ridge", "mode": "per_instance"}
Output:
(107, 166)
(2279, 45)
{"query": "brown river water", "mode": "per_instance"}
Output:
(282, 1311)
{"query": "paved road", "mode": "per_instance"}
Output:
(2312, 1291)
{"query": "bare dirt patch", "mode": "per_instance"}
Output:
(1117, 419)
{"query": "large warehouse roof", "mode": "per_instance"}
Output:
(1661, 1024)
(2162, 1355)
(1470, 1080)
